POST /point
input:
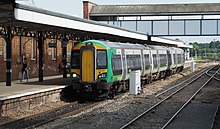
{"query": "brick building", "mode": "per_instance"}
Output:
(27, 47)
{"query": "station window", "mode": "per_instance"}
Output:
(53, 50)
(101, 59)
(33, 49)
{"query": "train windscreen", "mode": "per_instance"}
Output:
(101, 59)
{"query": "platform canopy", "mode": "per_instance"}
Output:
(36, 19)
(176, 43)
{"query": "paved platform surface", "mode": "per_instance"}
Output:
(195, 116)
(18, 88)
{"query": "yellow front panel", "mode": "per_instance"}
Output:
(77, 71)
(100, 71)
(87, 66)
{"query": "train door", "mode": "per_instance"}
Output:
(124, 66)
(169, 58)
(88, 63)
(142, 62)
(151, 61)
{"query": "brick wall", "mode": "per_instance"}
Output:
(27, 48)
(87, 6)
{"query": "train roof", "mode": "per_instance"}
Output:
(124, 45)
(158, 47)
(133, 46)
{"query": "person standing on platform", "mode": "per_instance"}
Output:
(24, 69)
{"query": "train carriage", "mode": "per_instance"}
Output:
(102, 68)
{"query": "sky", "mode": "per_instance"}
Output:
(74, 8)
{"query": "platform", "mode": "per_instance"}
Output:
(28, 95)
(33, 86)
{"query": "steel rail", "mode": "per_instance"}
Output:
(71, 113)
(61, 116)
(159, 94)
(172, 118)
(157, 104)
(37, 115)
(217, 72)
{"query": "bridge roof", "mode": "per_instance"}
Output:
(155, 9)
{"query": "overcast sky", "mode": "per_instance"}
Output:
(74, 8)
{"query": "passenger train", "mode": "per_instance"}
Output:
(102, 68)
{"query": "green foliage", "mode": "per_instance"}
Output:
(206, 50)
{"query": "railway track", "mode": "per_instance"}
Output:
(161, 114)
(51, 115)
(217, 75)
(185, 82)
(44, 117)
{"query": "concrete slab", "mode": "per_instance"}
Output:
(195, 116)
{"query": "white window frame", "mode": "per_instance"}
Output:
(53, 53)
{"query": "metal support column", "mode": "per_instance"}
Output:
(64, 56)
(8, 39)
(41, 53)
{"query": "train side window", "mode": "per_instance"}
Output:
(116, 64)
(75, 59)
(179, 58)
(163, 60)
(133, 62)
(155, 60)
(175, 58)
(147, 61)
(101, 59)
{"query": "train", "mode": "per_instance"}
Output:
(102, 68)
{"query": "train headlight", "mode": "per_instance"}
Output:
(103, 75)
(74, 75)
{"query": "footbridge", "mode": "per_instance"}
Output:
(201, 19)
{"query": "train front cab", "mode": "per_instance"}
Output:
(89, 69)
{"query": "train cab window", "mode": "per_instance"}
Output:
(101, 59)
(75, 59)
